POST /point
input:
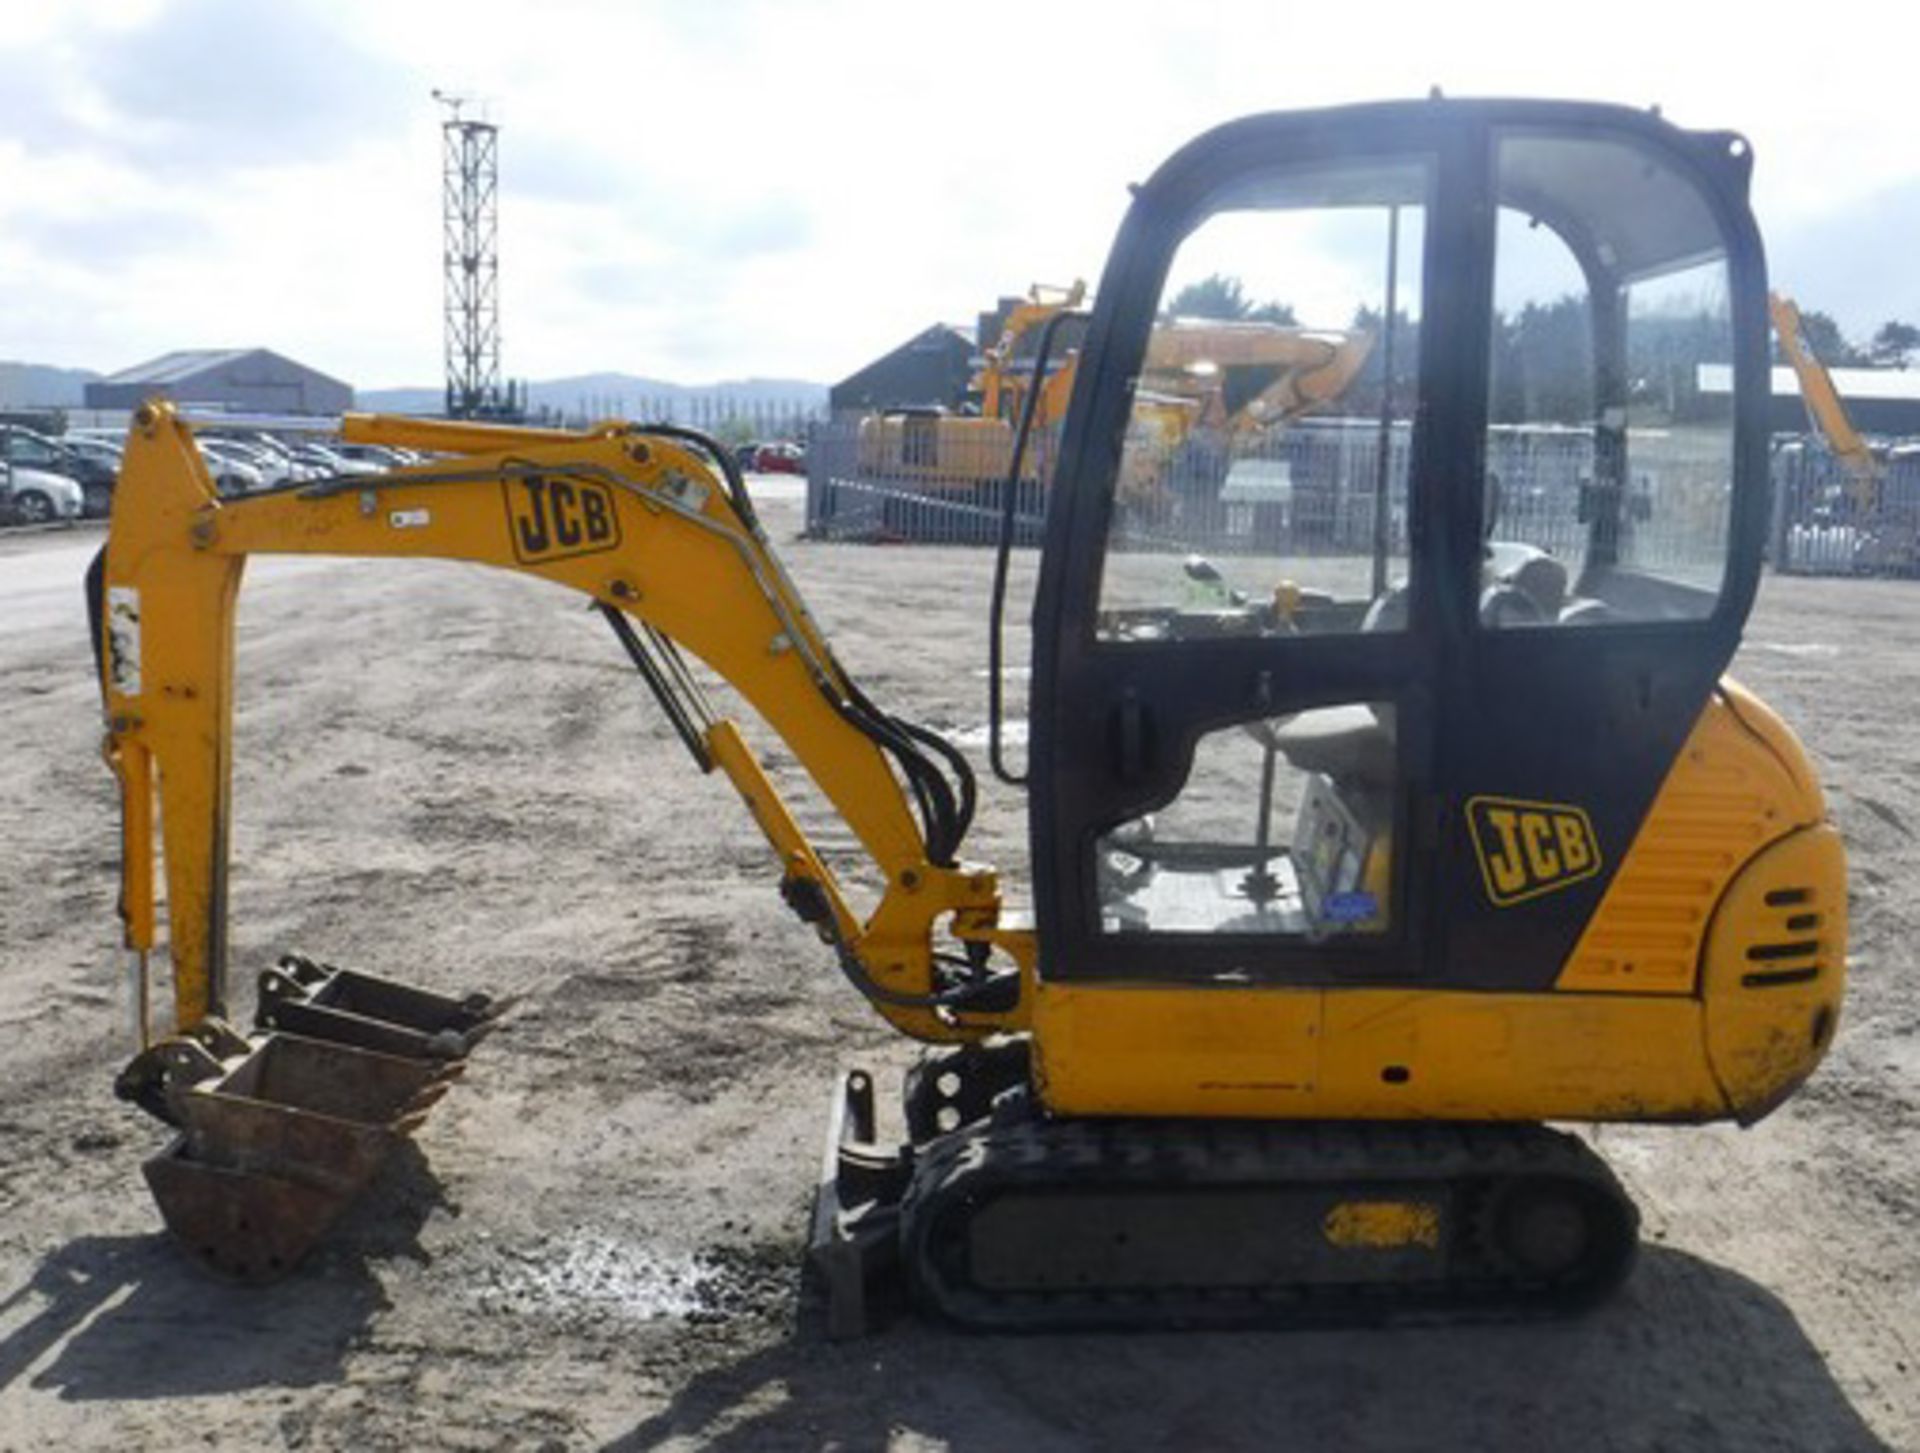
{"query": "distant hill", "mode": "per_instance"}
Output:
(35, 385)
(26, 385)
(399, 400)
(617, 393)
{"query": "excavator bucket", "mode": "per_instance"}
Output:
(279, 1131)
(302, 996)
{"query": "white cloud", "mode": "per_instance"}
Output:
(740, 188)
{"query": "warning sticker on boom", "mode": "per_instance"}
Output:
(1530, 848)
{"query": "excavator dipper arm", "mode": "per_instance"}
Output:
(667, 547)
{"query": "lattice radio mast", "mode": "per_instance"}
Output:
(470, 218)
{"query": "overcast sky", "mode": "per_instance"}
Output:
(722, 188)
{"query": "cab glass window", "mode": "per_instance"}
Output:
(1283, 828)
(1609, 458)
(1263, 481)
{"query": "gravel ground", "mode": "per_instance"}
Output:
(450, 777)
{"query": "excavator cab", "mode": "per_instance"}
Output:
(1508, 563)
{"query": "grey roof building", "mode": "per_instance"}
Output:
(255, 379)
(1877, 400)
(933, 367)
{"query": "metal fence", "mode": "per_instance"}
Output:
(1313, 489)
(729, 415)
(926, 479)
(1826, 522)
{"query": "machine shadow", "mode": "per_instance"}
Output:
(132, 1317)
(1688, 1355)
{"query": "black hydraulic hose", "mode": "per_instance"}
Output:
(962, 774)
(722, 456)
(932, 793)
(863, 982)
(1009, 497)
(943, 819)
(96, 616)
(956, 815)
(650, 672)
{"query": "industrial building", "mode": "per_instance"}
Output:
(932, 368)
(1882, 401)
(253, 379)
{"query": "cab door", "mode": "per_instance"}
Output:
(1625, 501)
(1240, 631)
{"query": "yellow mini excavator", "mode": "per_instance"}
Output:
(1362, 846)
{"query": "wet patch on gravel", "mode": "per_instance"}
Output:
(584, 1280)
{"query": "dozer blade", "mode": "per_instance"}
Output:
(279, 1132)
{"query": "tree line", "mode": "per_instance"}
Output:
(1542, 353)
(1894, 344)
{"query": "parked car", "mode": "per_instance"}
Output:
(780, 459)
(29, 449)
(36, 497)
(106, 451)
(289, 465)
(233, 472)
(330, 462)
(98, 470)
(274, 469)
(371, 456)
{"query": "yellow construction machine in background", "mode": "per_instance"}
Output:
(1242, 379)
(1883, 543)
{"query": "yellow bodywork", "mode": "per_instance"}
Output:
(1706, 986)
(941, 448)
(635, 522)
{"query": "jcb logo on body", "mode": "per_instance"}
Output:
(1529, 848)
(551, 518)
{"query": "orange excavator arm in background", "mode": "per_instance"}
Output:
(1293, 370)
(1824, 408)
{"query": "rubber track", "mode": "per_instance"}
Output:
(1471, 1166)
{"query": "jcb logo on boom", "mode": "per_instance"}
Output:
(1529, 848)
(551, 518)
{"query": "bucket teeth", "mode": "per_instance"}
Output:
(278, 1132)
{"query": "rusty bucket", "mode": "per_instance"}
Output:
(279, 1131)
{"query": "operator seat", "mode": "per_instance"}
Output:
(1524, 585)
(1347, 743)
